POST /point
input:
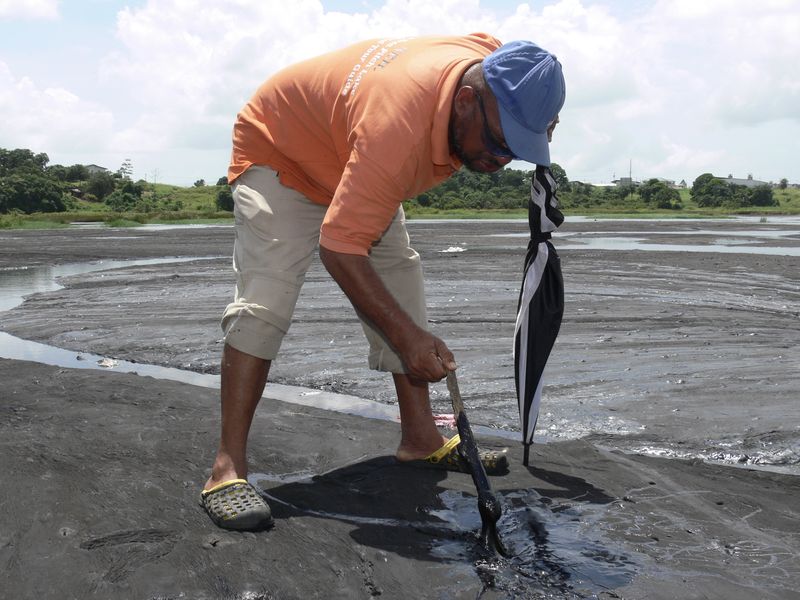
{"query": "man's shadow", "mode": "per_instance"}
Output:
(392, 506)
(402, 509)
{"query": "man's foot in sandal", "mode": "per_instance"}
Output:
(236, 505)
(449, 458)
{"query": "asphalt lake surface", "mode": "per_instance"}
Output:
(679, 341)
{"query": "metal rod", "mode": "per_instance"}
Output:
(488, 505)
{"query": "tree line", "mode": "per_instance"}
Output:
(710, 191)
(510, 189)
(28, 184)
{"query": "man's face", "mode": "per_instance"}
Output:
(477, 138)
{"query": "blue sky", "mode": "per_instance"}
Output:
(678, 87)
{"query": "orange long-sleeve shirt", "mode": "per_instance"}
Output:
(360, 129)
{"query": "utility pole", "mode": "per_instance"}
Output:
(630, 177)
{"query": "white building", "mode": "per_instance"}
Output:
(749, 182)
(92, 169)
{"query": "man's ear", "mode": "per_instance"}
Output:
(463, 100)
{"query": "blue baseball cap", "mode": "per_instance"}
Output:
(529, 86)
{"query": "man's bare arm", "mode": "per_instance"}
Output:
(425, 356)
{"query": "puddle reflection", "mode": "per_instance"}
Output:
(17, 283)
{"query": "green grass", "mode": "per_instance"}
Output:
(118, 222)
(112, 219)
(788, 204)
(192, 198)
(28, 222)
(789, 199)
(198, 206)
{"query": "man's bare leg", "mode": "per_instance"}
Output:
(419, 435)
(243, 380)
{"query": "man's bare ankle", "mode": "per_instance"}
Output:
(222, 471)
(414, 451)
(217, 479)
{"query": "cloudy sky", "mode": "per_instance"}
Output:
(671, 88)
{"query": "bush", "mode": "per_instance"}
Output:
(101, 184)
(708, 190)
(120, 201)
(471, 190)
(225, 199)
(762, 196)
(659, 194)
(30, 193)
(77, 173)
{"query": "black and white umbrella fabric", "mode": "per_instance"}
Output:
(541, 303)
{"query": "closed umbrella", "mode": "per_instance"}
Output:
(541, 303)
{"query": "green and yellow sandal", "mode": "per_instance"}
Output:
(236, 505)
(449, 458)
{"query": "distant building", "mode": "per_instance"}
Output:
(749, 182)
(622, 181)
(603, 184)
(93, 169)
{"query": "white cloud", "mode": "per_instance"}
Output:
(678, 86)
(187, 56)
(741, 61)
(49, 119)
(702, 79)
(678, 158)
(29, 9)
(189, 67)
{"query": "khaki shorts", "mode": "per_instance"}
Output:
(277, 233)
